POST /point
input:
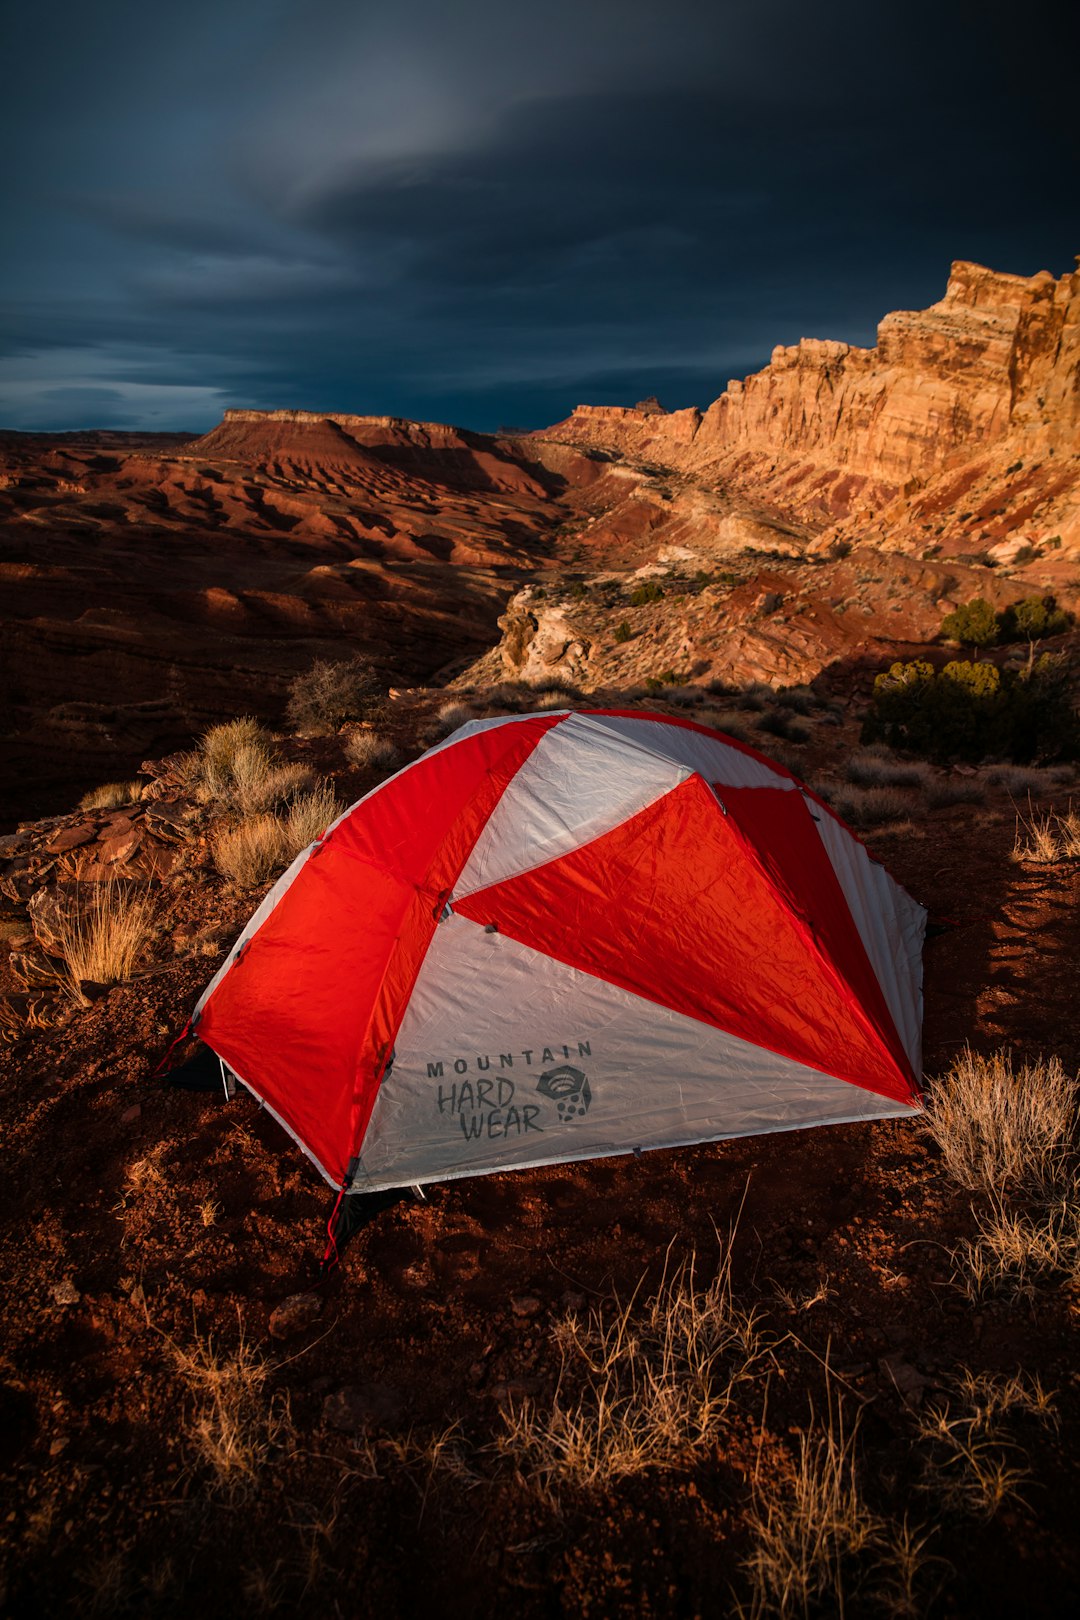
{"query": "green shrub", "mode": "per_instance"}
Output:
(975, 710)
(650, 591)
(1032, 619)
(975, 624)
(623, 633)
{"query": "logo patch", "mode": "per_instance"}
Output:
(568, 1089)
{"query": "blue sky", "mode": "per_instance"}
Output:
(485, 213)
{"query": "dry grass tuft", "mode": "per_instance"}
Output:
(1001, 1128)
(940, 795)
(730, 721)
(308, 817)
(221, 743)
(251, 852)
(870, 807)
(111, 795)
(370, 752)
(1032, 779)
(102, 936)
(1048, 837)
(816, 1542)
(235, 1428)
(452, 715)
(1015, 1248)
(554, 698)
(973, 1465)
(641, 1388)
(258, 784)
(869, 768)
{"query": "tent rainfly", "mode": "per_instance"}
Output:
(563, 935)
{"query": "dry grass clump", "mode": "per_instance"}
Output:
(942, 794)
(555, 697)
(220, 744)
(816, 1542)
(249, 853)
(640, 1388)
(973, 1465)
(1047, 838)
(370, 752)
(778, 723)
(799, 698)
(452, 715)
(235, 1428)
(871, 768)
(1002, 1129)
(308, 818)
(1030, 778)
(102, 936)
(1011, 1137)
(111, 795)
(870, 807)
(1015, 1248)
(258, 784)
(732, 722)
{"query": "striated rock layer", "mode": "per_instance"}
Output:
(831, 433)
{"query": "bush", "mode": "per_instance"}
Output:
(623, 633)
(326, 695)
(975, 624)
(972, 710)
(650, 591)
(1032, 619)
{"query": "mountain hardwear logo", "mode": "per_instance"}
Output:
(568, 1089)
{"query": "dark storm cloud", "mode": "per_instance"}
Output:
(488, 213)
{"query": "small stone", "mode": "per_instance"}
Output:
(525, 1305)
(131, 1114)
(120, 846)
(58, 1445)
(69, 838)
(294, 1315)
(65, 1293)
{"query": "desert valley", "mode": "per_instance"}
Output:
(818, 1372)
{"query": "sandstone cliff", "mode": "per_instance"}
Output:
(829, 432)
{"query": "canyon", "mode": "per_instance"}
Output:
(831, 507)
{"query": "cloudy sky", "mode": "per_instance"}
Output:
(488, 211)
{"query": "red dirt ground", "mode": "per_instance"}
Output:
(440, 1314)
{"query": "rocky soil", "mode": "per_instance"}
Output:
(162, 1247)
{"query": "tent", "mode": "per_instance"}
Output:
(563, 935)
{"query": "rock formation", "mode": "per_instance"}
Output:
(829, 432)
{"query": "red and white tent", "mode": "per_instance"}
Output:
(563, 935)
